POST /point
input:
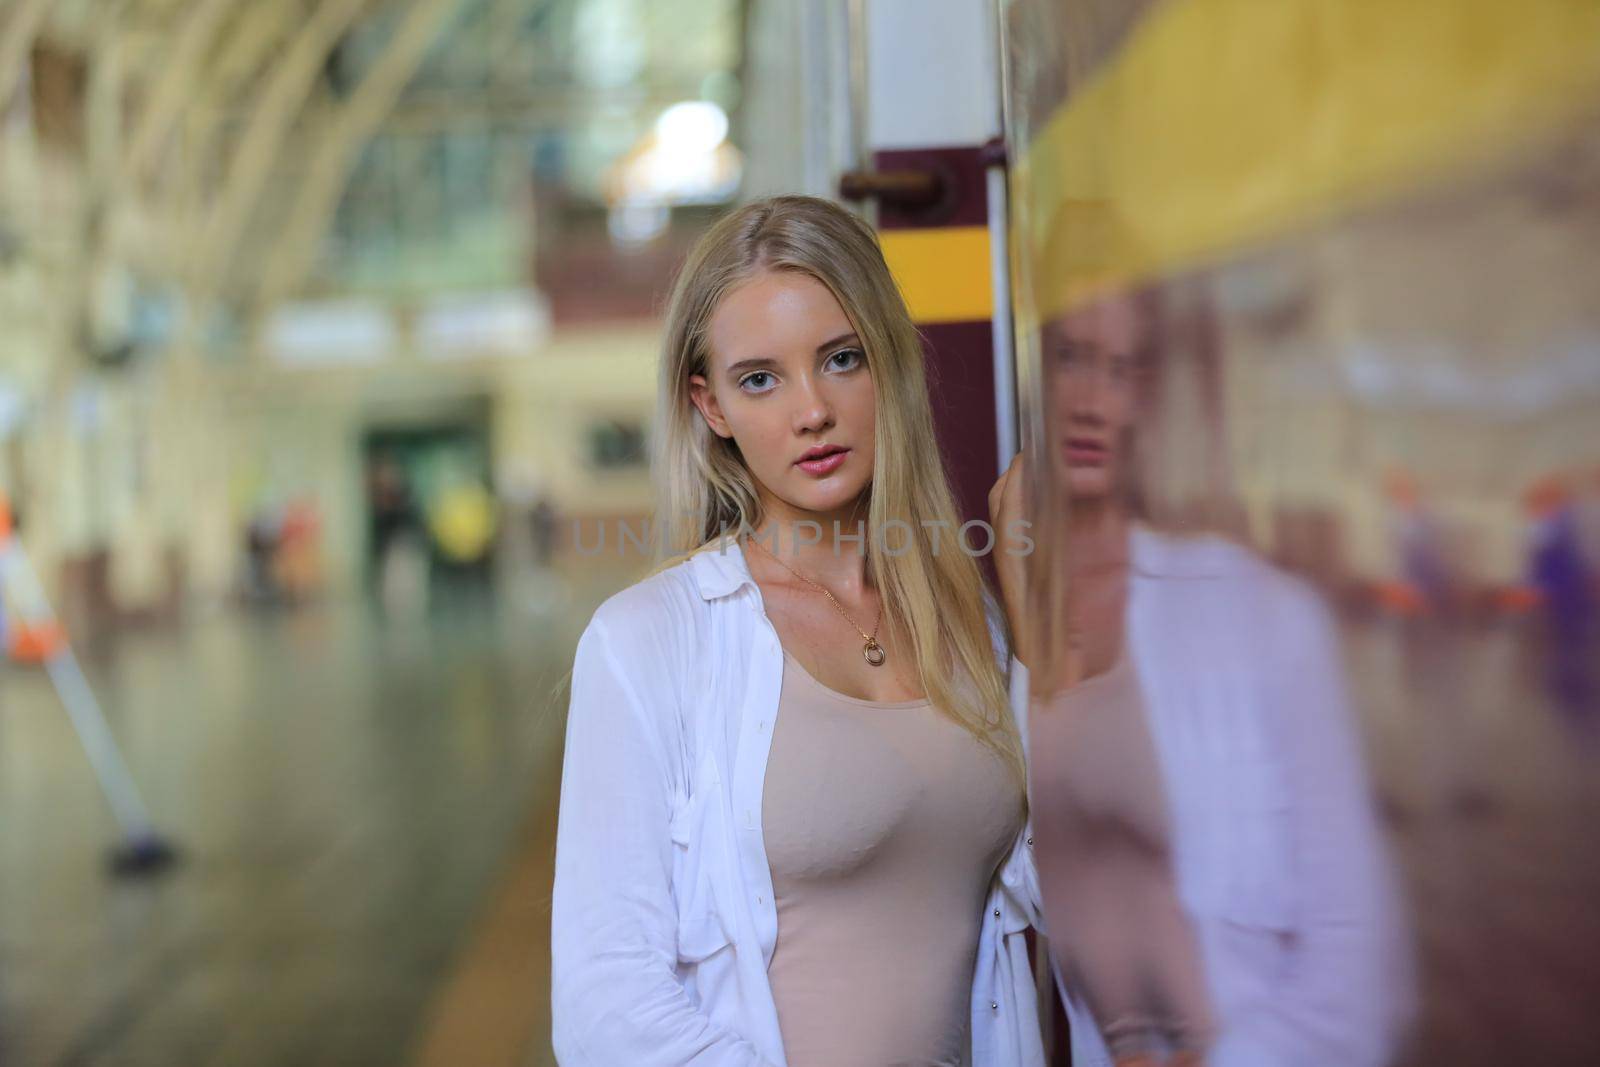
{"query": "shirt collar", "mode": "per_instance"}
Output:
(720, 568)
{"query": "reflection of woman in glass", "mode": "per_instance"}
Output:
(792, 799)
(1212, 878)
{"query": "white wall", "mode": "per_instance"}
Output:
(932, 73)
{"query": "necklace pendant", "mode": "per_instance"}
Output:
(874, 652)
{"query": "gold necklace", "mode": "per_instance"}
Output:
(872, 651)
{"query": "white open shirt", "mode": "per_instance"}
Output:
(663, 921)
(1277, 851)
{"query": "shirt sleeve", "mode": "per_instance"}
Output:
(1347, 993)
(615, 996)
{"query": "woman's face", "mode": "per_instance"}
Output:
(787, 381)
(1091, 356)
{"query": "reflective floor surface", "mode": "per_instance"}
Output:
(367, 815)
(347, 795)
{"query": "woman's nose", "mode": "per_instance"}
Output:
(812, 411)
(1084, 395)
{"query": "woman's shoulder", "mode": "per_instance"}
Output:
(1162, 552)
(1205, 554)
(653, 609)
(1284, 604)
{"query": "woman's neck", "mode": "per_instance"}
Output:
(1096, 534)
(806, 541)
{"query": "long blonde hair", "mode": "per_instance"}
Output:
(705, 490)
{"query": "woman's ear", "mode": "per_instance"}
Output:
(704, 399)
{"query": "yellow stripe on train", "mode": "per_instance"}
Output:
(1223, 123)
(944, 274)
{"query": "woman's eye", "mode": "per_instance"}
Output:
(846, 358)
(755, 382)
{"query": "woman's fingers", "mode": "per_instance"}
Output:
(1007, 489)
(1005, 506)
(997, 492)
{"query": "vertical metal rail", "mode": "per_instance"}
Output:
(1005, 378)
(858, 94)
(1007, 423)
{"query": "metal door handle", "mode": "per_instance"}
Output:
(905, 189)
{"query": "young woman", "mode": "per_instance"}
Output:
(793, 797)
(1213, 882)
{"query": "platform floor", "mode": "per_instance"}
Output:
(348, 796)
(367, 813)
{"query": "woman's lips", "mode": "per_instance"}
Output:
(1085, 452)
(824, 464)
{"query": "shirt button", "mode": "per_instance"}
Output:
(1030, 840)
(997, 913)
(994, 1006)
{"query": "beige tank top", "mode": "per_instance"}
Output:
(884, 824)
(1102, 842)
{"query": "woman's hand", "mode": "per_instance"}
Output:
(1005, 507)
(1096, 591)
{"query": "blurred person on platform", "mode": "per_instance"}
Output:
(399, 544)
(1561, 575)
(260, 545)
(792, 808)
(1425, 577)
(544, 530)
(1588, 514)
(464, 520)
(1213, 882)
(464, 524)
(297, 562)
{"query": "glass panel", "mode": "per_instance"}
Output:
(1309, 347)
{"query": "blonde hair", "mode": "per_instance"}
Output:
(704, 489)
